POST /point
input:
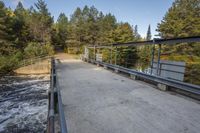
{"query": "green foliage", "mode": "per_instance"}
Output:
(148, 37)
(60, 31)
(123, 33)
(137, 35)
(144, 52)
(34, 28)
(107, 24)
(35, 49)
(42, 8)
(88, 26)
(127, 56)
(6, 31)
(181, 20)
(40, 23)
(192, 66)
(192, 73)
(21, 27)
(8, 63)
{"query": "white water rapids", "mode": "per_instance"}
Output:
(23, 104)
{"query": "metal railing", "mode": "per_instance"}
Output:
(55, 103)
(194, 89)
(31, 61)
(156, 78)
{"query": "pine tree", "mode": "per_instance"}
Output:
(42, 8)
(137, 35)
(144, 51)
(122, 34)
(20, 27)
(107, 24)
(148, 33)
(62, 29)
(76, 29)
(40, 22)
(6, 31)
(19, 8)
(181, 20)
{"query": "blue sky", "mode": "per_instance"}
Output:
(140, 12)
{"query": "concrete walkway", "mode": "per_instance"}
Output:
(99, 101)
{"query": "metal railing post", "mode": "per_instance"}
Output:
(152, 56)
(158, 62)
(51, 102)
(94, 53)
(111, 55)
(116, 56)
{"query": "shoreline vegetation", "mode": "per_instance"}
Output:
(27, 33)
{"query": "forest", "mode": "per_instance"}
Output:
(28, 33)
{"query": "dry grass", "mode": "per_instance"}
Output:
(42, 67)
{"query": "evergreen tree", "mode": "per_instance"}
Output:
(144, 51)
(62, 29)
(6, 31)
(122, 34)
(137, 35)
(19, 8)
(40, 22)
(76, 29)
(20, 27)
(148, 33)
(42, 8)
(92, 27)
(107, 24)
(181, 20)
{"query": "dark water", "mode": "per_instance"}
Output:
(23, 104)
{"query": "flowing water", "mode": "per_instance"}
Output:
(23, 104)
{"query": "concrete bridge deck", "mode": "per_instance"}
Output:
(99, 101)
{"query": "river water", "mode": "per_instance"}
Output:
(23, 104)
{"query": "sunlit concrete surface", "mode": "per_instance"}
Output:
(99, 101)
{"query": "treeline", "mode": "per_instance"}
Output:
(88, 26)
(24, 33)
(28, 33)
(183, 20)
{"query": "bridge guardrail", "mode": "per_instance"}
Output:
(195, 89)
(55, 96)
(63, 125)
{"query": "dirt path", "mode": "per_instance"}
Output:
(64, 56)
